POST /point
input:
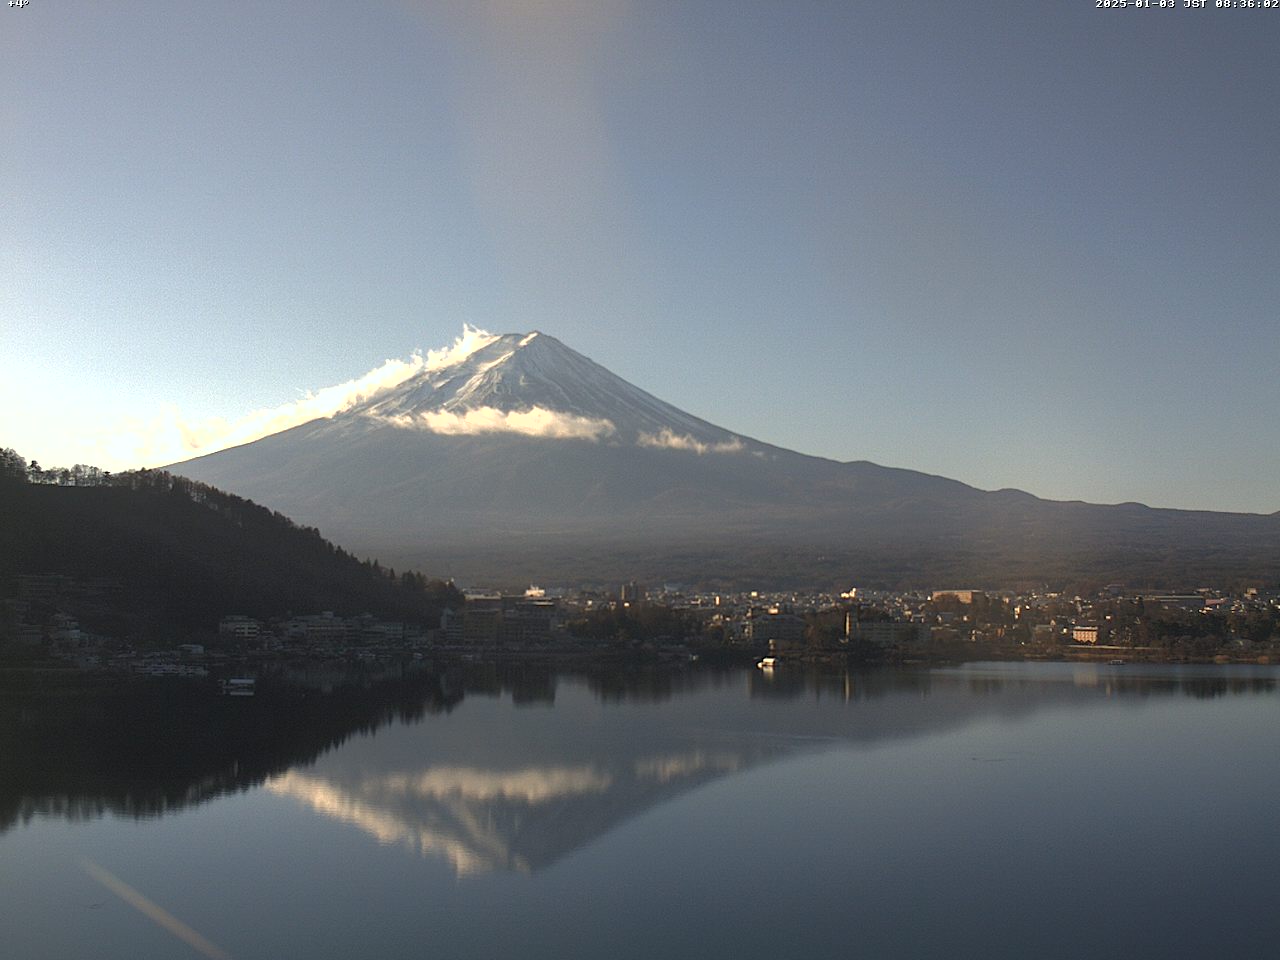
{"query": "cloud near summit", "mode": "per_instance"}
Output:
(170, 436)
(671, 440)
(534, 422)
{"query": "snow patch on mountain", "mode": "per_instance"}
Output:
(556, 391)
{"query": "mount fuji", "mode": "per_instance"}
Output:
(522, 459)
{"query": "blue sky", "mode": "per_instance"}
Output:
(1026, 245)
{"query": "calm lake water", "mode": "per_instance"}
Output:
(991, 810)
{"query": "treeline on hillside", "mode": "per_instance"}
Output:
(638, 622)
(15, 468)
(184, 554)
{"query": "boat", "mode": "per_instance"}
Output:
(768, 663)
(238, 687)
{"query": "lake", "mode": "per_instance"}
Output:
(986, 810)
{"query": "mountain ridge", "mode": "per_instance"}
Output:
(523, 458)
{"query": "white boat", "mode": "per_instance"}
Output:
(238, 686)
(768, 663)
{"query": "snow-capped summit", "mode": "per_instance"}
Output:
(514, 458)
(532, 384)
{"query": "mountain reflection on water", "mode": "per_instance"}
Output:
(518, 819)
(501, 767)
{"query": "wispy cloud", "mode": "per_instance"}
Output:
(531, 785)
(452, 825)
(680, 441)
(472, 846)
(534, 422)
(678, 766)
(172, 436)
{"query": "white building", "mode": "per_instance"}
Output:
(239, 627)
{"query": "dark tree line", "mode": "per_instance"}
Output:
(14, 467)
(189, 553)
(171, 744)
(645, 621)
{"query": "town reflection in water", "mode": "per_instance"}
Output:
(494, 767)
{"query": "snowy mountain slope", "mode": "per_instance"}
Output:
(525, 459)
(517, 373)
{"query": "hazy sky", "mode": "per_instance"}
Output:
(1018, 244)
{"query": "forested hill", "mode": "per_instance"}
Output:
(167, 552)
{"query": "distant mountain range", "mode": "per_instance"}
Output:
(525, 460)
